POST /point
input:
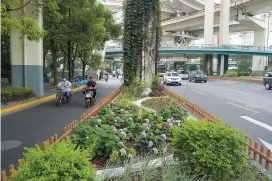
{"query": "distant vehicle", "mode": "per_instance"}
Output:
(197, 76)
(183, 74)
(172, 78)
(267, 80)
(161, 70)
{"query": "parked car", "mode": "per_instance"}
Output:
(267, 80)
(183, 74)
(172, 78)
(197, 76)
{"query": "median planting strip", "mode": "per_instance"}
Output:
(236, 79)
(258, 154)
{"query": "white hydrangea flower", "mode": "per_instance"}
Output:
(164, 137)
(123, 152)
(155, 150)
(99, 120)
(123, 133)
(147, 121)
(150, 144)
(169, 120)
(121, 144)
(179, 124)
(130, 156)
(170, 125)
(164, 150)
(144, 134)
(87, 137)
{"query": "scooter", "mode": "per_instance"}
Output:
(89, 100)
(61, 98)
(106, 78)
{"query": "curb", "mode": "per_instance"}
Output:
(31, 103)
(256, 81)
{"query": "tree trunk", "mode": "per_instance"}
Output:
(64, 67)
(44, 59)
(83, 68)
(54, 58)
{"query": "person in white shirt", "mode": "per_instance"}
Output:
(65, 86)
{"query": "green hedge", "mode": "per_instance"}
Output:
(10, 94)
(210, 148)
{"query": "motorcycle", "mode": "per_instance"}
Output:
(106, 78)
(61, 98)
(89, 100)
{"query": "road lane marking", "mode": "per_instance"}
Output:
(241, 92)
(267, 145)
(245, 108)
(200, 92)
(257, 88)
(257, 122)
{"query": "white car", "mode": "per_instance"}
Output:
(172, 78)
(183, 75)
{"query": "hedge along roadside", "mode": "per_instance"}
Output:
(236, 79)
(31, 103)
(254, 150)
(67, 129)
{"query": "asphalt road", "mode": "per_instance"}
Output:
(34, 125)
(247, 107)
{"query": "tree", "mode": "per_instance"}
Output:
(141, 39)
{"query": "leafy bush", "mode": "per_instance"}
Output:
(159, 103)
(16, 94)
(135, 89)
(62, 161)
(103, 138)
(157, 87)
(211, 148)
(244, 73)
(231, 73)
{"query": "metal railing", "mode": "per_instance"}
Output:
(206, 46)
(232, 2)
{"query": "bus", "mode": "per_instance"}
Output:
(161, 69)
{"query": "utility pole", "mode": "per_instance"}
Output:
(69, 43)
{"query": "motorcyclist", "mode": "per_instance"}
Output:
(92, 83)
(106, 76)
(65, 86)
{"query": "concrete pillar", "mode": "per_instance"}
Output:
(224, 29)
(208, 23)
(214, 64)
(26, 56)
(259, 62)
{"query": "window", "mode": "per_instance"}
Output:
(174, 74)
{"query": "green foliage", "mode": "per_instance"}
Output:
(141, 23)
(135, 89)
(62, 161)
(243, 65)
(27, 25)
(211, 148)
(231, 73)
(86, 134)
(9, 94)
(119, 125)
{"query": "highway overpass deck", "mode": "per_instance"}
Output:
(205, 49)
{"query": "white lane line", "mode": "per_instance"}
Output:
(240, 92)
(200, 92)
(257, 122)
(267, 145)
(255, 88)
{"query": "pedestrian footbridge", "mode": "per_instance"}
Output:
(203, 49)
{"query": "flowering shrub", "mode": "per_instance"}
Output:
(122, 131)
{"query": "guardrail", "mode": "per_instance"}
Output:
(236, 79)
(258, 152)
(206, 46)
(67, 130)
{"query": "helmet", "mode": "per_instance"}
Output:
(63, 78)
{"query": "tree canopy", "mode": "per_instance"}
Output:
(86, 23)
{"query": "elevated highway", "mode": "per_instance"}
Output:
(239, 10)
(203, 49)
